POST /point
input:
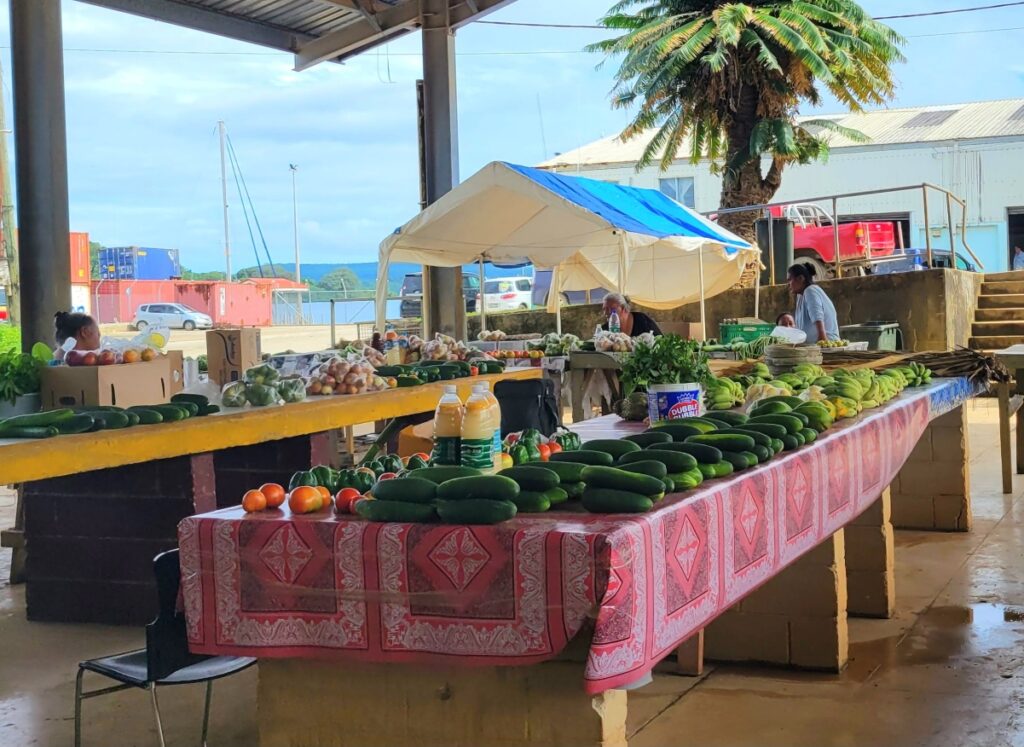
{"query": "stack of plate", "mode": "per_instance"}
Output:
(784, 358)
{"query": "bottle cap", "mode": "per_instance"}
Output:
(450, 389)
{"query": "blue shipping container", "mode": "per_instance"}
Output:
(138, 263)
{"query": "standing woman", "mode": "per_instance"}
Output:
(815, 314)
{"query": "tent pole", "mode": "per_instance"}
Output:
(482, 309)
(757, 291)
(556, 288)
(703, 319)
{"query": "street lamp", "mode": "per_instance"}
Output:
(295, 220)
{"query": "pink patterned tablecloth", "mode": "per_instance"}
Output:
(276, 585)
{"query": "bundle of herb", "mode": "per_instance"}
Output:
(19, 374)
(669, 360)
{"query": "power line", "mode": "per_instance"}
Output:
(950, 12)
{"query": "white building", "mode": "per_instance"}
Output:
(974, 150)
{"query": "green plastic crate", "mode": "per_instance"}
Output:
(747, 332)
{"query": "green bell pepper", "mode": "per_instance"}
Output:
(532, 450)
(416, 462)
(377, 465)
(392, 463)
(520, 454)
(325, 476)
(299, 479)
(530, 435)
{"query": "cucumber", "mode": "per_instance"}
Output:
(724, 468)
(801, 417)
(793, 402)
(209, 410)
(673, 459)
(584, 456)
(810, 435)
(778, 446)
(763, 453)
(407, 381)
(770, 408)
(649, 438)
(688, 480)
(192, 407)
(146, 415)
(386, 371)
(476, 511)
(405, 490)
(751, 458)
(772, 430)
(617, 448)
(708, 471)
(724, 441)
(607, 501)
(29, 431)
(617, 479)
(790, 442)
(198, 400)
(676, 430)
(441, 474)
(799, 436)
(108, 420)
(703, 454)
(532, 478)
(556, 496)
(485, 487)
(133, 418)
(670, 485)
(649, 467)
(574, 490)
(416, 513)
(171, 412)
(736, 459)
(703, 423)
(728, 417)
(37, 419)
(531, 502)
(76, 424)
(566, 471)
(759, 438)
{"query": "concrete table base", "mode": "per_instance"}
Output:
(870, 562)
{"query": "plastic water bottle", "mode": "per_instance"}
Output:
(613, 322)
(495, 411)
(448, 428)
(477, 447)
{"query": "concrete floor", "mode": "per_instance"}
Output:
(947, 670)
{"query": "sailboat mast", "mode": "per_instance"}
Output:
(224, 195)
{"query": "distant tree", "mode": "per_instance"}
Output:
(187, 274)
(342, 279)
(94, 258)
(268, 272)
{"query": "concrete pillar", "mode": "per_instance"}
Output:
(797, 619)
(444, 307)
(42, 168)
(870, 566)
(933, 489)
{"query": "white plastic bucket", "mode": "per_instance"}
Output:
(674, 401)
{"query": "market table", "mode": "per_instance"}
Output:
(99, 506)
(1010, 402)
(334, 604)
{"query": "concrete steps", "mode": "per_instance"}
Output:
(1013, 328)
(989, 288)
(1001, 301)
(1000, 314)
(1001, 276)
(999, 318)
(995, 342)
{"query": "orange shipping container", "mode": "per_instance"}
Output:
(80, 265)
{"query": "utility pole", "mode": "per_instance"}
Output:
(295, 220)
(224, 194)
(9, 247)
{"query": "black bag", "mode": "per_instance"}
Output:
(528, 404)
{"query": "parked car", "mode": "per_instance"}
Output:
(170, 315)
(412, 294)
(507, 294)
(542, 286)
(917, 259)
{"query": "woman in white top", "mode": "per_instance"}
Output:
(815, 314)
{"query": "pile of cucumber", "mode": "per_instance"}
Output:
(91, 418)
(425, 372)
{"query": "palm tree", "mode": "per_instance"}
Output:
(724, 80)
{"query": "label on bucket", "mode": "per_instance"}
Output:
(679, 401)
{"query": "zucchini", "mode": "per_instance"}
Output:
(440, 474)
(759, 438)
(531, 502)
(108, 420)
(617, 479)
(574, 490)
(567, 472)
(810, 435)
(37, 419)
(649, 438)
(485, 487)
(476, 511)
(584, 456)
(649, 467)
(677, 430)
(703, 454)
(77, 424)
(616, 447)
(29, 431)
(405, 490)
(532, 478)
(146, 415)
(729, 417)
(556, 495)
(607, 501)
(673, 459)
(374, 510)
(724, 441)
(198, 400)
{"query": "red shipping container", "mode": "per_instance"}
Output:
(229, 304)
(81, 267)
(115, 301)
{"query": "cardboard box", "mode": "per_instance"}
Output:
(229, 352)
(176, 364)
(686, 330)
(123, 385)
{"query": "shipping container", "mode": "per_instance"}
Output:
(235, 304)
(81, 298)
(115, 301)
(80, 264)
(139, 263)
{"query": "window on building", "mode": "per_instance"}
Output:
(679, 188)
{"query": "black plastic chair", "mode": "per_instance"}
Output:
(165, 660)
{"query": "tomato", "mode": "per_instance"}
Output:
(554, 447)
(345, 499)
(275, 494)
(545, 452)
(423, 456)
(305, 500)
(325, 494)
(474, 371)
(511, 438)
(253, 501)
(388, 476)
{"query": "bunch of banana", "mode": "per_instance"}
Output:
(915, 374)
(760, 370)
(820, 417)
(844, 407)
(723, 394)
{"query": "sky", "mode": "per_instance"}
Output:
(143, 101)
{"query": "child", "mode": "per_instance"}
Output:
(82, 327)
(785, 320)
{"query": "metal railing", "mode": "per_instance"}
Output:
(924, 187)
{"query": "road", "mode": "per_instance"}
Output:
(304, 339)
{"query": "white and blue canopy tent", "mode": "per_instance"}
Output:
(592, 234)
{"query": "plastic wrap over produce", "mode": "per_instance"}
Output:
(332, 585)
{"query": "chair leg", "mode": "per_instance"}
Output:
(206, 710)
(156, 713)
(78, 708)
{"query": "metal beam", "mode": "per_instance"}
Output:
(467, 11)
(211, 21)
(42, 166)
(358, 37)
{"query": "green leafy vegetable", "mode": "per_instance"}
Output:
(670, 360)
(19, 374)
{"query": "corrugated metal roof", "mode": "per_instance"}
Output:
(983, 119)
(308, 17)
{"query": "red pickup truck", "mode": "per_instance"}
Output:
(814, 242)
